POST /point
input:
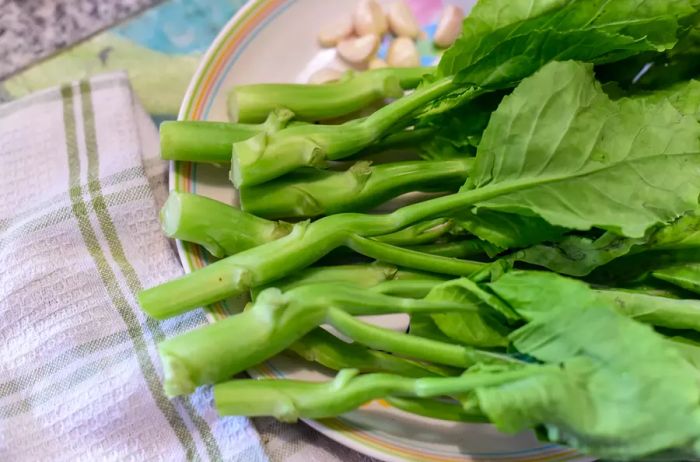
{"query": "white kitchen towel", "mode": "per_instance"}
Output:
(80, 186)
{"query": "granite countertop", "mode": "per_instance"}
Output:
(34, 29)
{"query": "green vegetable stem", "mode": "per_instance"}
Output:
(276, 320)
(312, 192)
(218, 227)
(199, 141)
(252, 103)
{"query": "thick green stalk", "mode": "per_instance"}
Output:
(200, 141)
(289, 400)
(412, 346)
(313, 192)
(458, 249)
(203, 141)
(420, 233)
(211, 142)
(225, 230)
(436, 409)
(328, 350)
(220, 228)
(412, 288)
(307, 243)
(274, 322)
(252, 103)
(413, 259)
(360, 275)
(266, 157)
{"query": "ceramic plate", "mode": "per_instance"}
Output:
(275, 41)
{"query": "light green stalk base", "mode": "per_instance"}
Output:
(220, 228)
(200, 141)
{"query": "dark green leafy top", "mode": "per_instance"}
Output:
(504, 41)
(559, 148)
(609, 386)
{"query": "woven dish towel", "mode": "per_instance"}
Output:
(79, 237)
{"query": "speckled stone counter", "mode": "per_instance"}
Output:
(34, 29)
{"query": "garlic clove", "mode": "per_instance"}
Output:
(449, 27)
(377, 63)
(403, 53)
(358, 50)
(369, 18)
(325, 75)
(402, 22)
(335, 31)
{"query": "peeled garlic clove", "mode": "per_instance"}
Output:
(402, 22)
(358, 50)
(403, 53)
(334, 32)
(325, 75)
(449, 27)
(369, 18)
(377, 63)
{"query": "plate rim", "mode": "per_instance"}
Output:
(358, 443)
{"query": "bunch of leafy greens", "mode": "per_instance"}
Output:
(535, 163)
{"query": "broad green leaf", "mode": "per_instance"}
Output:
(424, 326)
(684, 96)
(504, 41)
(560, 149)
(688, 347)
(686, 276)
(484, 328)
(544, 292)
(682, 234)
(457, 133)
(609, 386)
(638, 267)
(579, 256)
(650, 71)
(533, 294)
(658, 311)
(508, 230)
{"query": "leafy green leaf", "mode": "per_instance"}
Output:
(457, 132)
(578, 255)
(483, 328)
(688, 347)
(684, 96)
(638, 267)
(508, 230)
(686, 276)
(544, 292)
(504, 41)
(533, 294)
(559, 148)
(422, 325)
(658, 311)
(610, 386)
(659, 70)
